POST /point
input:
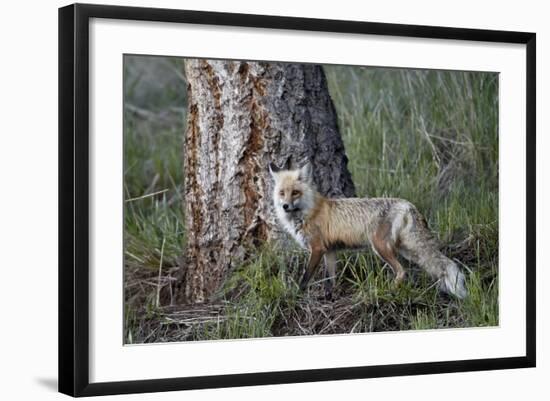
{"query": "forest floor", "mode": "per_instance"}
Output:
(427, 136)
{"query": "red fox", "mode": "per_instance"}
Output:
(390, 226)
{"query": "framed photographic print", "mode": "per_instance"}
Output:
(249, 199)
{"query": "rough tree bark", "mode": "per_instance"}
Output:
(241, 117)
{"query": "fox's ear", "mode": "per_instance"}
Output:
(305, 174)
(273, 169)
(288, 164)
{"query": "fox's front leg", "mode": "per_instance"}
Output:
(314, 259)
(330, 279)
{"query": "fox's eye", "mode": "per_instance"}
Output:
(295, 193)
(282, 193)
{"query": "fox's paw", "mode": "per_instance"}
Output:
(399, 279)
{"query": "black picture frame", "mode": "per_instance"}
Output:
(74, 198)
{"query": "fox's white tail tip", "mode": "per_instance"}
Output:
(454, 281)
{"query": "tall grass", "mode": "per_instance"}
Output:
(428, 136)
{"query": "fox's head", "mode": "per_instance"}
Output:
(293, 190)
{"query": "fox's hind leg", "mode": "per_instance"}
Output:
(386, 248)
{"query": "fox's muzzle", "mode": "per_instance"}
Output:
(289, 208)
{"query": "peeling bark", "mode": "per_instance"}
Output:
(242, 116)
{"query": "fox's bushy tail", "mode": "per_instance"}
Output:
(452, 280)
(420, 247)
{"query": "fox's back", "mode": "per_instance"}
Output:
(350, 222)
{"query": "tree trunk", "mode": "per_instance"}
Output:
(241, 117)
